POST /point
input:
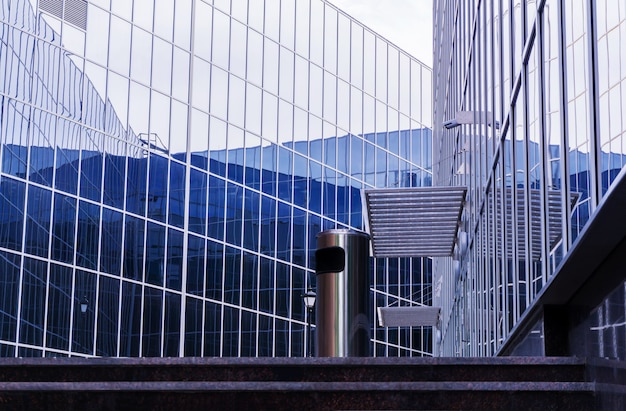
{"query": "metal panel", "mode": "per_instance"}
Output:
(414, 222)
(414, 316)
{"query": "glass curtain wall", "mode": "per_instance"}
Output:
(547, 79)
(165, 167)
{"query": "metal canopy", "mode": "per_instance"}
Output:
(413, 316)
(554, 222)
(415, 221)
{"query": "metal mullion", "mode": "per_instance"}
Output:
(595, 145)
(95, 315)
(566, 207)
(544, 196)
(119, 308)
(183, 299)
(527, 198)
(275, 270)
(222, 306)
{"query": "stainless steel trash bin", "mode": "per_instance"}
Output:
(343, 294)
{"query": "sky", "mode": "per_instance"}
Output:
(406, 23)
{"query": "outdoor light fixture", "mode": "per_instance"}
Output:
(471, 117)
(309, 303)
(84, 304)
(309, 299)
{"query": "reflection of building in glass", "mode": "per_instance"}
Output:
(533, 112)
(167, 166)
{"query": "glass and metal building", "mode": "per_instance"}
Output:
(529, 107)
(166, 166)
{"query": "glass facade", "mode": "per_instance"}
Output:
(166, 166)
(546, 83)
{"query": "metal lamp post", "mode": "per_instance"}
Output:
(84, 305)
(309, 303)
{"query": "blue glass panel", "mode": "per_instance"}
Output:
(248, 334)
(251, 220)
(266, 285)
(63, 228)
(130, 321)
(297, 339)
(136, 185)
(356, 216)
(114, 179)
(41, 160)
(19, 63)
(299, 236)
(268, 174)
(214, 270)
(300, 181)
(283, 232)
(12, 194)
(198, 184)
(111, 242)
(24, 352)
(232, 275)
(16, 120)
(249, 280)
(212, 329)
(38, 221)
(268, 226)
(369, 164)
(316, 150)
(91, 173)
(231, 332)
(285, 160)
(171, 340)
(157, 188)
(343, 201)
(108, 305)
(174, 259)
(315, 226)
(315, 187)
(281, 342)
(216, 207)
(83, 324)
(253, 167)
(297, 290)
(330, 151)
(152, 309)
(9, 286)
(329, 186)
(33, 301)
(7, 350)
(235, 163)
(356, 157)
(266, 336)
(134, 231)
(282, 289)
(193, 327)
(177, 194)
(343, 154)
(88, 227)
(155, 254)
(233, 213)
(67, 160)
(195, 265)
(394, 143)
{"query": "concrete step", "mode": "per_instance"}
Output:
(293, 369)
(296, 383)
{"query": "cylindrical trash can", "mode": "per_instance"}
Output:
(343, 294)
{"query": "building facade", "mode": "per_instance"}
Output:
(166, 166)
(529, 109)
